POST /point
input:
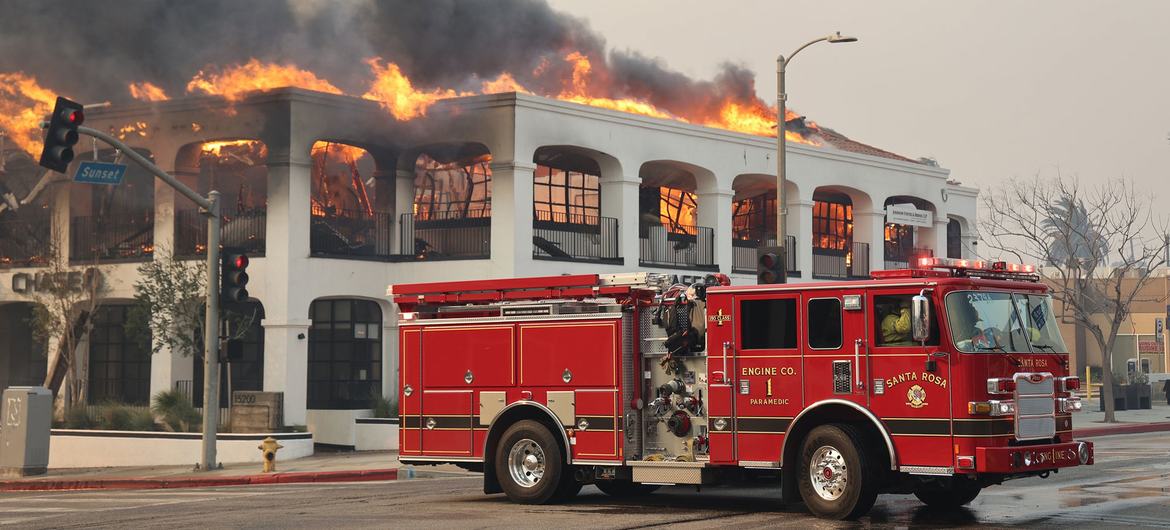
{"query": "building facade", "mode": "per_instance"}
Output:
(335, 200)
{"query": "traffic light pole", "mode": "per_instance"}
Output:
(210, 207)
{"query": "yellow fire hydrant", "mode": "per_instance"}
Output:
(269, 447)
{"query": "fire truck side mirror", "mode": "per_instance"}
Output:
(920, 317)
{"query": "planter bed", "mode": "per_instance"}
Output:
(376, 434)
(71, 448)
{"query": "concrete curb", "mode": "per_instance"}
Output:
(164, 483)
(1132, 428)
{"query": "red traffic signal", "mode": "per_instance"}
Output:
(62, 135)
(233, 278)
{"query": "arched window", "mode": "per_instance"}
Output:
(345, 354)
(119, 366)
(753, 218)
(832, 223)
(954, 239)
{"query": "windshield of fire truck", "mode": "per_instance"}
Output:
(982, 321)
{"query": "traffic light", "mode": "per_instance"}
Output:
(62, 134)
(769, 265)
(233, 277)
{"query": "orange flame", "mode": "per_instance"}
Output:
(236, 81)
(138, 128)
(346, 153)
(147, 91)
(503, 83)
(578, 92)
(237, 147)
(24, 104)
(394, 91)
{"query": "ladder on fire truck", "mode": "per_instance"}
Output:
(638, 285)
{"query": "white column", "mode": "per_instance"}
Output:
(800, 226)
(285, 298)
(714, 211)
(166, 367)
(619, 199)
(403, 204)
(934, 238)
(870, 227)
(511, 217)
(390, 355)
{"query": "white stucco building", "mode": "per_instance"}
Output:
(486, 186)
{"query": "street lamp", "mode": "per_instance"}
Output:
(781, 98)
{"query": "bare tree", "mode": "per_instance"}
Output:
(66, 300)
(1100, 245)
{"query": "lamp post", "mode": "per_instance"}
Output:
(781, 98)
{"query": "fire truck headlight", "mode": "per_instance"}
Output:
(720, 424)
(1083, 452)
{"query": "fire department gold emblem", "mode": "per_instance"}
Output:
(917, 397)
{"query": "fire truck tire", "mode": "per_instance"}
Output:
(838, 477)
(530, 465)
(625, 488)
(960, 492)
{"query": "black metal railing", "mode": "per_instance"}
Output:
(692, 249)
(111, 237)
(561, 236)
(445, 235)
(244, 230)
(901, 259)
(836, 264)
(352, 233)
(25, 238)
(744, 254)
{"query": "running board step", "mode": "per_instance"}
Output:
(671, 472)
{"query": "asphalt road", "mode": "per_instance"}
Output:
(1129, 486)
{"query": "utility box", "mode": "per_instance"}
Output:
(26, 415)
(257, 411)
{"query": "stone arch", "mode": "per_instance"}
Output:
(237, 167)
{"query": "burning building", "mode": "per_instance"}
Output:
(335, 199)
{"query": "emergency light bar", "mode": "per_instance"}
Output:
(972, 264)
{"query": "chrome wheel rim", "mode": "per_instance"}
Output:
(828, 473)
(526, 463)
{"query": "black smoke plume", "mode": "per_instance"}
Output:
(92, 50)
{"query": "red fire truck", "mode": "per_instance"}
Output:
(938, 381)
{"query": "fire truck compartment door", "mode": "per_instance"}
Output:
(410, 391)
(767, 387)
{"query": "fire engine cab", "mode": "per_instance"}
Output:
(938, 380)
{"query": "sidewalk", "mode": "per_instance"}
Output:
(321, 467)
(1091, 422)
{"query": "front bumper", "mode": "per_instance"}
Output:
(1032, 458)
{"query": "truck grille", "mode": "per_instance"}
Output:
(1035, 406)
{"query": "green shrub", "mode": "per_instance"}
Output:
(78, 417)
(142, 420)
(175, 411)
(116, 418)
(383, 408)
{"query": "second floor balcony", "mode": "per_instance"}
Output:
(244, 230)
(25, 238)
(841, 264)
(561, 236)
(125, 237)
(686, 247)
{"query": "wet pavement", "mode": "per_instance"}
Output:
(1128, 487)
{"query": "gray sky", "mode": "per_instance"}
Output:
(990, 89)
